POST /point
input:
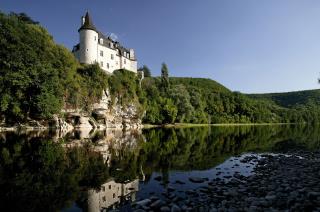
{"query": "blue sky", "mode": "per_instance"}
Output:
(247, 45)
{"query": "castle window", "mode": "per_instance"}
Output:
(114, 195)
(109, 186)
(101, 53)
(101, 64)
(111, 56)
(124, 61)
(95, 38)
(107, 65)
(103, 188)
(104, 198)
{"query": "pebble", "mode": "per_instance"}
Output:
(278, 182)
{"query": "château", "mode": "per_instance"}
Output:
(95, 47)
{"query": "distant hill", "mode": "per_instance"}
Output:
(201, 83)
(290, 99)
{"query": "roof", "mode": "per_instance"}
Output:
(116, 44)
(88, 24)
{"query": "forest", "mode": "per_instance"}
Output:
(198, 100)
(39, 78)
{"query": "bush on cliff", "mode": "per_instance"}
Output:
(38, 77)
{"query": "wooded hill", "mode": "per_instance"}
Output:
(291, 99)
(196, 100)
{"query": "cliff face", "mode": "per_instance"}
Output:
(114, 115)
(104, 114)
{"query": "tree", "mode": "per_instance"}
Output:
(168, 111)
(164, 78)
(146, 71)
(24, 17)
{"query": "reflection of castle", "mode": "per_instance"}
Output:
(111, 194)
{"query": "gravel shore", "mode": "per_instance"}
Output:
(279, 182)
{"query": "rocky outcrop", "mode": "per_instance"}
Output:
(105, 114)
(114, 115)
(63, 126)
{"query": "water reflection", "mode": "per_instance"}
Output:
(112, 195)
(48, 171)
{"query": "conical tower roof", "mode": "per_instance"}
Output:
(88, 24)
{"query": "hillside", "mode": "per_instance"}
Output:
(197, 100)
(201, 83)
(290, 99)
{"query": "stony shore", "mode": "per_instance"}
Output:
(279, 182)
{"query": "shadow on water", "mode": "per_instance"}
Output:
(44, 171)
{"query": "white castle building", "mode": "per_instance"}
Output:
(94, 47)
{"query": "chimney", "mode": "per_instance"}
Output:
(132, 56)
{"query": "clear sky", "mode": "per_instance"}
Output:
(250, 46)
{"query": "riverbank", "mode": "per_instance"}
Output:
(279, 182)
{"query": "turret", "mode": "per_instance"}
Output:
(88, 41)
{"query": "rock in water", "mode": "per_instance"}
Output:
(197, 180)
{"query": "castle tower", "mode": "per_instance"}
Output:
(95, 47)
(88, 41)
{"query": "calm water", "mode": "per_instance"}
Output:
(91, 171)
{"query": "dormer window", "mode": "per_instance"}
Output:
(101, 53)
(101, 41)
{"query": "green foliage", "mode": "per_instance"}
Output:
(165, 84)
(125, 87)
(24, 17)
(290, 99)
(169, 110)
(92, 82)
(34, 71)
(206, 101)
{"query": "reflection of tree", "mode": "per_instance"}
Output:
(202, 148)
(37, 174)
(40, 175)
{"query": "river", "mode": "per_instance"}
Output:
(105, 170)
